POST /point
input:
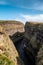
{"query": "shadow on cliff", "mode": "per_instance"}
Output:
(19, 41)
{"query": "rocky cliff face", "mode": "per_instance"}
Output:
(34, 36)
(12, 27)
(34, 33)
(8, 52)
(30, 43)
(39, 60)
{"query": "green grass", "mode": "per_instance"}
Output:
(5, 61)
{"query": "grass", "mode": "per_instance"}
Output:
(10, 22)
(5, 61)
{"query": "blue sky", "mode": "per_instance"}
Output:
(21, 10)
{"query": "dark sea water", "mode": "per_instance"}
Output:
(19, 45)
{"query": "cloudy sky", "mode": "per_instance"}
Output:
(21, 10)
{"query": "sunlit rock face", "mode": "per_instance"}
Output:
(12, 27)
(39, 60)
(8, 52)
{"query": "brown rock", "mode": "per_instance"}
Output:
(8, 50)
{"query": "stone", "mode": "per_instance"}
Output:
(8, 52)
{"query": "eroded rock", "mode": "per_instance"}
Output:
(39, 60)
(34, 36)
(8, 52)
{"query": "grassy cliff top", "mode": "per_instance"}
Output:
(10, 22)
(31, 22)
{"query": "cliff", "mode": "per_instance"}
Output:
(33, 41)
(12, 27)
(30, 43)
(8, 52)
(39, 60)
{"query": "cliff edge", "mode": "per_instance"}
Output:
(8, 52)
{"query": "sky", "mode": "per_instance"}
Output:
(21, 10)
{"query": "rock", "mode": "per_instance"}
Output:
(17, 37)
(34, 33)
(12, 27)
(39, 60)
(29, 52)
(8, 52)
(18, 40)
(34, 39)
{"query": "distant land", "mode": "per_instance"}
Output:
(11, 26)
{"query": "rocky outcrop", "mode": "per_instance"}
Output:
(30, 43)
(18, 40)
(34, 33)
(39, 60)
(34, 36)
(17, 37)
(8, 52)
(12, 27)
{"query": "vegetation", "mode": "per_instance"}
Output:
(5, 61)
(9, 22)
(8, 52)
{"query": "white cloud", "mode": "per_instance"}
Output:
(21, 20)
(30, 18)
(37, 18)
